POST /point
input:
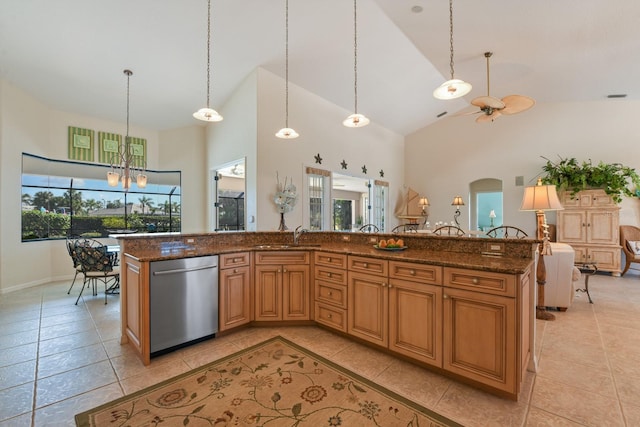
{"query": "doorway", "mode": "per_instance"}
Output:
(486, 204)
(229, 201)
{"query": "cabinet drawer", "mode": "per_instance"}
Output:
(480, 281)
(284, 257)
(422, 273)
(331, 275)
(331, 260)
(331, 316)
(375, 266)
(331, 294)
(239, 259)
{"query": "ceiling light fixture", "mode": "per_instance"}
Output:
(355, 120)
(454, 88)
(207, 114)
(125, 164)
(286, 132)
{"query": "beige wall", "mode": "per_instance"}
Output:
(441, 160)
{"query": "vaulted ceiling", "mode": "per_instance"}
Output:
(70, 54)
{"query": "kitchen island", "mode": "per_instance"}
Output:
(461, 306)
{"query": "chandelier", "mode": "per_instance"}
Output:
(125, 165)
(207, 114)
(286, 132)
(355, 120)
(453, 88)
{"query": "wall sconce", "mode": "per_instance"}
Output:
(457, 202)
(541, 198)
(492, 216)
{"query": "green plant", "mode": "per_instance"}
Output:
(613, 178)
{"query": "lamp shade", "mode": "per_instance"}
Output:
(452, 89)
(355, 121)
(492, 214)
(423, 201)
(541, 198)
(457, 201)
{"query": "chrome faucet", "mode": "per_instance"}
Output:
(297, 233)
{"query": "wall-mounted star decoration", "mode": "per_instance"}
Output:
(343, 164)
(364, 169)
(381, 173)
(318, 158)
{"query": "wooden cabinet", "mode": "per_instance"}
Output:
(483, 327)
(134, 306)
(234, 290)
(282, 285)
(590, 224)
(330, 284)
(415, 311)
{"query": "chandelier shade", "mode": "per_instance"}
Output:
(207, 114)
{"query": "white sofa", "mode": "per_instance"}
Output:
(561, 276)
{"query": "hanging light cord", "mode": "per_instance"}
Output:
(286, 68)
(208, 51)
(355, 55)
(451, 37)
(128, 73)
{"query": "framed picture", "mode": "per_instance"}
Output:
(109, 147)
(138, 150)
(81, 144)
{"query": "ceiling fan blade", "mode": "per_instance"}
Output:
(516, 104)
(466, 113)
(486, 118)
(487, 101)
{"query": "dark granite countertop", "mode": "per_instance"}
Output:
(476, 261)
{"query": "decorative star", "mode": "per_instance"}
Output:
(318, 158)
(343, 164)
(364, 169)
(381, 173)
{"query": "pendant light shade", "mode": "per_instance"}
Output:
(286, 132)
(452, 88)
(207, 114)
(355, 120)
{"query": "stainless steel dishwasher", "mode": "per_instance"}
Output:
(183, 301)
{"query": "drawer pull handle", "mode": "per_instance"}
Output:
(384, 285)
(412, 272)
(329, 259)
(235, 270)
(445, 296)
(328, 316)
(475, 280)
(237, 259)
(284, 270)
(330, 293)
(390, 286)
(279, 271)
(328, 274)
(365, 265)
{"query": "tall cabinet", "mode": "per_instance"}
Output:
(589, 223)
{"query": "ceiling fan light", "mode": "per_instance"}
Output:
(207, 115)
(452, 89)
(287, 133)
(356, 121)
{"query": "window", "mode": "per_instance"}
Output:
(380, 196)
(63, 198)
(317, 190)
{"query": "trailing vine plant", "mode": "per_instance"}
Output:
(613, 178)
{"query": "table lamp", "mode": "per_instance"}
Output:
(492, 216)
(424, 202)
(457, 202)
(541, 198)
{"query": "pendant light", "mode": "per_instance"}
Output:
(454, 88)
(208, 114)
(125, 166)
(355, 120)
(286, 132)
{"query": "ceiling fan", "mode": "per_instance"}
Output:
(492, 108)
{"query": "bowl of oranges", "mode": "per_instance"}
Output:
(390, 245)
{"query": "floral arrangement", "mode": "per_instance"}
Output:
(286, 196)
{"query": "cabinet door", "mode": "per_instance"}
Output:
(235, 297)
(480, 338)
(134, 306)
(415, 321)
(572, 226)
(268, 295)
(606, 258)
(368, 310)
(602, 227)
(295, 292)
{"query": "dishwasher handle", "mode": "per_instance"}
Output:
(183, 270)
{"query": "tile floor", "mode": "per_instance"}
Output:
(58, 359)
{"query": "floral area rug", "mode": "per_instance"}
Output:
(275, 383)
